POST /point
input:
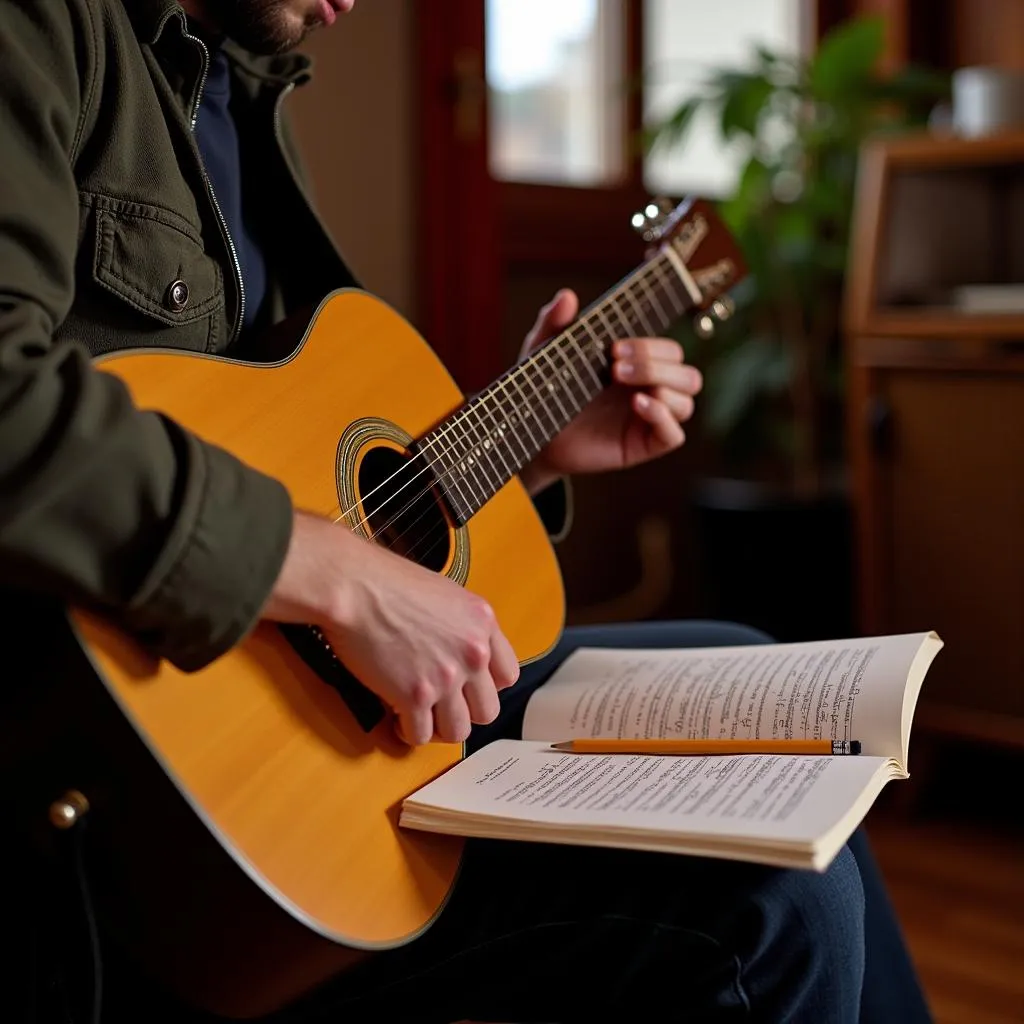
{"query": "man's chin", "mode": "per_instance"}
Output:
(266, 27)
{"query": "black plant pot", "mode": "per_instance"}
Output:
(773, 560)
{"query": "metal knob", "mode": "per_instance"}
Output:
(650, 221)
(723, 308)
(69, 810)
(704, 326)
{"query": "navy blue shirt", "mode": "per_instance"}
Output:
(217, 137)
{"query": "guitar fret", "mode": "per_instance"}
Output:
(661, 274)
(492, 444)
(533, 375)
(625, 326)
(665, 272)
(553, 384)
(606, 324)
(466, 462)
(501, 430)
(581, 370)
(515, 415)
(509, 423)
(655, 305)
(471, 425)
(647, 328)
(529, 408)
(583, 355)
(444, 454)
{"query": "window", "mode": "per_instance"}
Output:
(558, 74)
(684, 40)
(554, 72)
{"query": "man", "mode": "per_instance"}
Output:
(128, 218)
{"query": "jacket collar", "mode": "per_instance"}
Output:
(283, 68)
(150, 19)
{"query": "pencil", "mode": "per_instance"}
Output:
(705, 747)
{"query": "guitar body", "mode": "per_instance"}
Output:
(241, 839)
(267, 756)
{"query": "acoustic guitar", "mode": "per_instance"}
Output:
(239, 824)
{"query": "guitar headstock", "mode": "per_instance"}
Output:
(702, 248)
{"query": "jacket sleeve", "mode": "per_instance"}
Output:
(101, 504)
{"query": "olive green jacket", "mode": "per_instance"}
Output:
(110, 238)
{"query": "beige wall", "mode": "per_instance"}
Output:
(354, 122)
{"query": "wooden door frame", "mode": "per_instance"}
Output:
(472, 229)
(459, 275)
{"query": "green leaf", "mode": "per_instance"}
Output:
(847, 56)
(744, 101)
(739, 376)
(752, 192)
(673, 130)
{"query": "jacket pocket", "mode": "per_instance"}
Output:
(154, 260)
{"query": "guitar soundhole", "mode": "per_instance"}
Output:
(402, 509)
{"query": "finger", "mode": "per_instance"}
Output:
(452, 721)
(415, 726)
(558, 313)
(504, 663)
(648, 348)
(665, 429)
(482, 698)
(658, 373)
(679, 404)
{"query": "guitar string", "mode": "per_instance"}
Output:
(599, 333)
(637, 277)
(457, 420)
(624, 286)
(595, 331)
(446, 492)
(408, 527)
(440, 531)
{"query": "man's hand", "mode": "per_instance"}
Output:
(638, 418)
(432, 651)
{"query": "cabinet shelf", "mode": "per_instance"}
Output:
(935, 404)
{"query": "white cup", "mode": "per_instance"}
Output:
(987, 100)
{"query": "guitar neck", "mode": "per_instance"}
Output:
(479, 448)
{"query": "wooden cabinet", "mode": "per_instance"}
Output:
(936, 417)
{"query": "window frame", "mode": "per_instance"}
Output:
(581, 224)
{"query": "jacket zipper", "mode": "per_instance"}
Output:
(193, 118)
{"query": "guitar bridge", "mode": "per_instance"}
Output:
(313, 648)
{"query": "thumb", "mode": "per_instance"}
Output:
(558, 313)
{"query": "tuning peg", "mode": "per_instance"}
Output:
(650, 221)
(704, 326)
(645, 226)
(723, 308)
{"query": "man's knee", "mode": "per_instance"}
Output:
(811, 948)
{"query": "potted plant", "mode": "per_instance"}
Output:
(774, 521)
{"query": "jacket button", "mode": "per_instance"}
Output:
(177, 296)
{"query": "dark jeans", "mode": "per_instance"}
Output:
(558, 933)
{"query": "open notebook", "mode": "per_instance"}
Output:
(783, 809)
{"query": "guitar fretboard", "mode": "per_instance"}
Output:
(478, 449)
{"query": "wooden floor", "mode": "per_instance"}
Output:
(954, 863)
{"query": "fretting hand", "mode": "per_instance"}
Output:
(637, 419)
